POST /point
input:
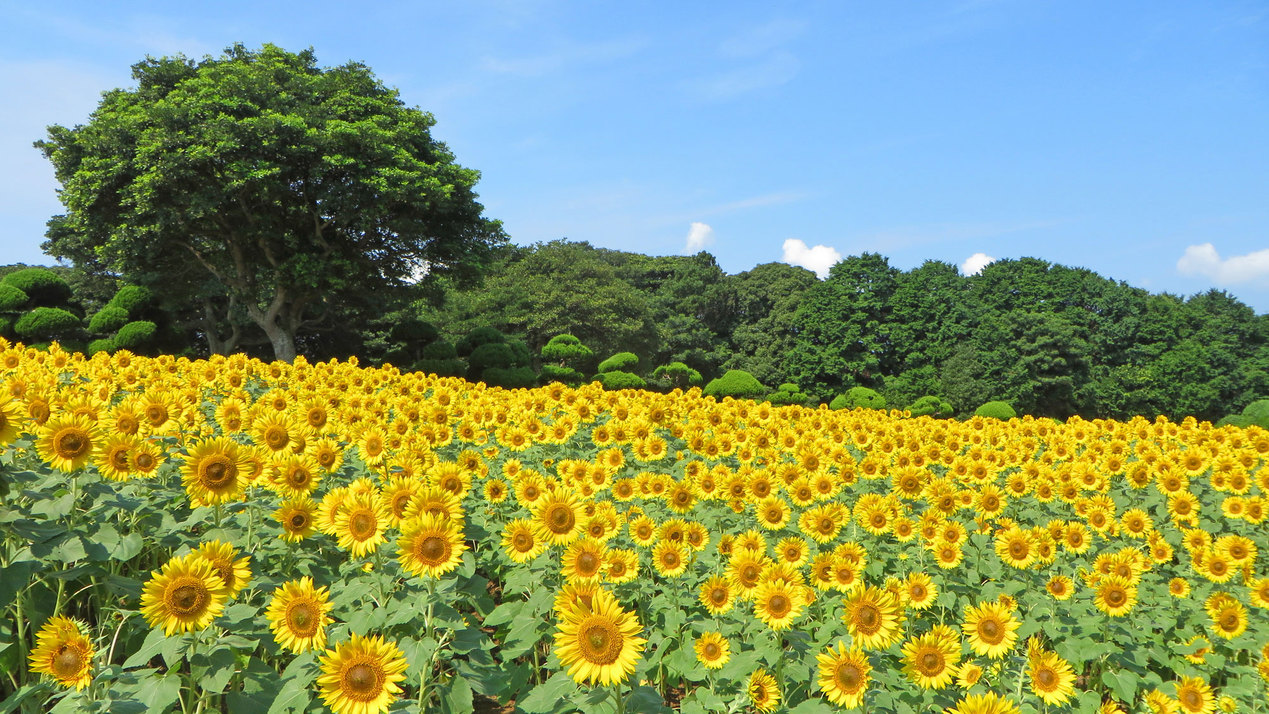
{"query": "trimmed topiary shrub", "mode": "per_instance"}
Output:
(489, 354)
(132, 299)
(134, 334)
(439, 350)
(46, 323)
(737, 384)
(1258, 413)
(412, 331)
(931, 405)
(108, 319)
(11, 298)
(617, 379)
(996, 410)
(677, 375)
(103, 345)
(509, 377)
(620, 362)
(858, 397)
(42, 286)
(787, 394)
(563, 375)
(477, 337)
(564, 349)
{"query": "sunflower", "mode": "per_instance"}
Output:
(669, 559)
(431, 545)
(185, 595)
(1194, 696)
(520, 540)
(744, 570)
(234, 573)
(298, 615)
(1115, 596)
(112, 457)
(360, 523)
(844, 675)
(930, 660)
(10, 419)
(275, 431)
(920, 590)
(1229, 617)
(145, 459)
(66, 442)
(1016, 547)
(872, 617)
(1052, 678)
(293, 476)
(297, 518)
(1179, 588)
(948, 555)
(63, 652)
(968, 674)
(212, 472)
(1259, 592)
(599, 644)
(583, 559)
(1060, 587)
(991, 629)
(772, 513)
(716, 595)
(558, 517)
(763, 691)
(360, 675)
(989, 703)
(620, 566)
(713, 650)
(777, 603)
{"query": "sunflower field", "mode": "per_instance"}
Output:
(238, 536)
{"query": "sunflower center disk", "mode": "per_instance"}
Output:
(361, 682)
(848, 677)
(931, 663)
(187, 599)
(990, 630)
(868, 619)
(778, 605)
(67, 661)
(71, 444)
(361, 526)
(432, 550)
(1046, 678)
(601, 643)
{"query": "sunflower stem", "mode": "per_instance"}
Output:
(618, 699)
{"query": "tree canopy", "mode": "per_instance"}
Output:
(257, 189)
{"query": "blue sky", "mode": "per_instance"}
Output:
(1130, 138)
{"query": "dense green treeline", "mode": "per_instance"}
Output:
(1046, 339)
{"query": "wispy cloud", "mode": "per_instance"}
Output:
(755, 58)
(818, 259)
(760, 39)
(1205, 261)
(564, 57)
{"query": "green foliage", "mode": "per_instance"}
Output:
(509, 377)
(132, 299)
(996, 410)
(6, 326)
(1256, 413)
(764, 303)
(565, 349)
(788, 393)
(489, 354)
(11, 297)
(108, 319)
(735, 383)
(135, 335)
(413, 332)
(477, 337)
(931, 405)
(863, 397)
(42, 286)
(617, 379)
(563, 375)
(676, 375)
(622, 361)
(439, 350)
(102, 345)
(46, 323)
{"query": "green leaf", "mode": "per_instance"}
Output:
(814, 705)
(160, 691)
(1123, 684)
(645, 700)
(151, 647)
(221, 663)
(547, 696)
(504, 613)
(297, 686)
(457, 696)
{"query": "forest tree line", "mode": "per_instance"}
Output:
(1048, 339)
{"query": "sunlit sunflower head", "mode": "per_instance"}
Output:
(744, 570)
(520, 540)
(297, 517)
(212, 472)
(1060, 587)
(185, 595)
(670, 559)
(583, 560)
(930, 659)
(1228, 615)
(777, 603)
(764, 692)
(620, 566)
(1115, 596)
(360, 523)
(235, 572)
(360, 675)
(292, 475)
(298, 615)
(716, 595)
(772, 513)
(989, 703)
(713, 650)
(275, 431)
(1194, 696)
(920, 591)
(872, 617)
(968, 674)
(558, 517)
(844, 675)
(1052, 678)
(600, 643)
(67, 440)
(431, 545)
(990, 629)
(63, 652)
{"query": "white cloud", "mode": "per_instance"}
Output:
(1204, 260)
(699, 236)
(817, 259)
(975, 263)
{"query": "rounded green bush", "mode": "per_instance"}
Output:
(858, 397)
(620, 362)
(413, 331)
(103, 345)
(737, 384)
(442, 367)
(135, 334)
(509, 377)
(6, 326)
(132, 299)
(1258, 413)
(677, 374)
(996, 410)
(41, 285)
(563, 348)
(1237, 420)
(477, 337)
(11, 298)
(490, 354)
(931, 405)
(44, 323)
(439, 350)
(617, 379)
(108, 319)
(563, 375)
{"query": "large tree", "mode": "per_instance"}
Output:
(260, 189)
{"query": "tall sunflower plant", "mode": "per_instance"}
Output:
(232, 535)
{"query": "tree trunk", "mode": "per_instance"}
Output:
(282, 337)
(283, 342)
